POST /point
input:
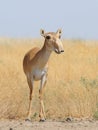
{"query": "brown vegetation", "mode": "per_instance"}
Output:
(72, 87)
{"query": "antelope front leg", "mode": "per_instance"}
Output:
(30, 83)
(42, 110)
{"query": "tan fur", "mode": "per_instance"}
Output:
(28, 57)
(35, 65)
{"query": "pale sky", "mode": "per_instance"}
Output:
(24, 18)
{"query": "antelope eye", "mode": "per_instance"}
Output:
(48, 37)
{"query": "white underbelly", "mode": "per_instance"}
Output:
(38, 74)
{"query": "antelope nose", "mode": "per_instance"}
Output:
(62, 50)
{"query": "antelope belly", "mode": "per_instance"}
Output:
(37, 74)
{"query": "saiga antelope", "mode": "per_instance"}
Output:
(35, 65)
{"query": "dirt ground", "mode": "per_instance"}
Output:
(48, 125)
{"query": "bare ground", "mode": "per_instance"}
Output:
(48, 125)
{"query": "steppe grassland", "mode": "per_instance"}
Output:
(72, 87)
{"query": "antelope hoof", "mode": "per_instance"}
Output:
(42, 120)
(28, 119)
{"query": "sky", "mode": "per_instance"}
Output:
(78, 19)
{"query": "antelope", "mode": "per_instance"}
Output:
(35, 66)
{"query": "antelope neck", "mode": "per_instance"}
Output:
(44, 55)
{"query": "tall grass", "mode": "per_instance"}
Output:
(72, 87)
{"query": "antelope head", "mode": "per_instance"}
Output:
(52, 41)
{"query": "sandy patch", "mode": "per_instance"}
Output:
(48, 125)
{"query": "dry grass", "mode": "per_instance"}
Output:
(72, 88)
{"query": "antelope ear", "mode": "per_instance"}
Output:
(42, 32)
(59, 32)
